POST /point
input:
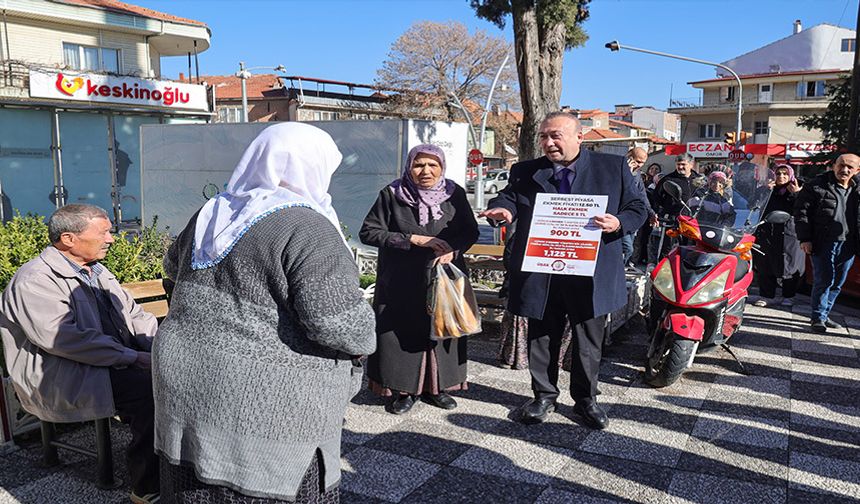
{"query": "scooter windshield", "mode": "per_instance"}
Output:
(734, 204)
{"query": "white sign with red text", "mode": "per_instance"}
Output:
(563, 238)
(709, 149)
(807, 149)
(98, 88)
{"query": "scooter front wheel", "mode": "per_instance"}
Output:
(668, 357)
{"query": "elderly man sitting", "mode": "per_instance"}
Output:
(77, 345)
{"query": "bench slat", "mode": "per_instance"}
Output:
(145, 289)
(157, 308)
(491, 250)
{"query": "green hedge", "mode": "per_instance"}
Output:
(132, 257)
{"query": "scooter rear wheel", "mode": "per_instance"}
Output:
(667, 359)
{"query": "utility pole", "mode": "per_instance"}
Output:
(852, 140)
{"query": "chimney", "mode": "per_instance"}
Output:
(181, 77)
(797, 26)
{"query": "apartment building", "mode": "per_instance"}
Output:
(781, 82)
(78, 78)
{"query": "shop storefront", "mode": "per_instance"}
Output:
(74, 138)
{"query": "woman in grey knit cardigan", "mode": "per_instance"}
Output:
(257, 360)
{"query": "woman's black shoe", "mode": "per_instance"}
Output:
(441, 400)
(401, 405)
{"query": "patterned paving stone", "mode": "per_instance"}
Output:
(833, 443)
(456, 485)
(813, 473)
(826, 416)
(383, 475)
(762, 432)
(643, 432)
(514, 459)
(555, 496)
(824, 346)
(735, 460)
(431, 442)
(825, 393)
(71, 490)
(827, 375)
(361, 425)
(605, 477)
(706, 489)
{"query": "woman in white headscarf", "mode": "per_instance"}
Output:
(257, 360)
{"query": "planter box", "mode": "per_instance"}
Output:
(13, 419)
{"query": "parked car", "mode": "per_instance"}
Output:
(494, 181)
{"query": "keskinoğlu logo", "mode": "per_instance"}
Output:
(168, 96)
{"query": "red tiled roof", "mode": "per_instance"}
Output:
(628, 124)
(258, 86)
(773, 74)
(116, 6)
(600, 134)
(660, 140)
(588, 114)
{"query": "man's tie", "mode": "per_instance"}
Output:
(564, 181)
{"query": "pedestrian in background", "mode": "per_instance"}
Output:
(418, 220)
(783, 262)
(667, 207)
(636, 159)
(551, 300)
(826, 217)
(257, 360)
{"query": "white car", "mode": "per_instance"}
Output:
(494, 181)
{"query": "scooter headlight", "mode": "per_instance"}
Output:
(712, 290)
(663, 281)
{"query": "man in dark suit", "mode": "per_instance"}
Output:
(547, 299)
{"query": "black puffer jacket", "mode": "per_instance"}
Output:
(815, 211)
(666, 205)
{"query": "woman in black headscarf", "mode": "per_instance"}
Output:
(418, 220)
(783, 260)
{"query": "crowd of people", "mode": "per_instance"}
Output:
(239, 395)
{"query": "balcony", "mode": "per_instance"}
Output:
(696, 104)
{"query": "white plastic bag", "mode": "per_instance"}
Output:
(451, 304)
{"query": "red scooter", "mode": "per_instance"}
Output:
(700, 289)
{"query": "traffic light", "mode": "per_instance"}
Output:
(730, 137)
(745, 135)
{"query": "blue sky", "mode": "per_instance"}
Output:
(348, 40)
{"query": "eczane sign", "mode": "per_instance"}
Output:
(98, 88)
(807, 149)
(709, 149)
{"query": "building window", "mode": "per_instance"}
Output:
(229, 114)
(710, 130)
(728, 93)
(91, 58)
(849, 45)
(810, 89)
(760, 127)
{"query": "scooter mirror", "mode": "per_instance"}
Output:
(672, 189)
(777, 217)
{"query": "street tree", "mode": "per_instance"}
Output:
(431, 60)
(543, 30)
(834, 121)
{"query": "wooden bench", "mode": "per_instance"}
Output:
(481, 256)
(150, 295)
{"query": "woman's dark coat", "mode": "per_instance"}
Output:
(400, 300)
(782, 254)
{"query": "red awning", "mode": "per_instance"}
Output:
(777, 150)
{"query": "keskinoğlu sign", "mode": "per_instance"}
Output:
(97, 88)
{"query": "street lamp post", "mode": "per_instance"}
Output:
(244, 74)
(478, 140)
(616, 45)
